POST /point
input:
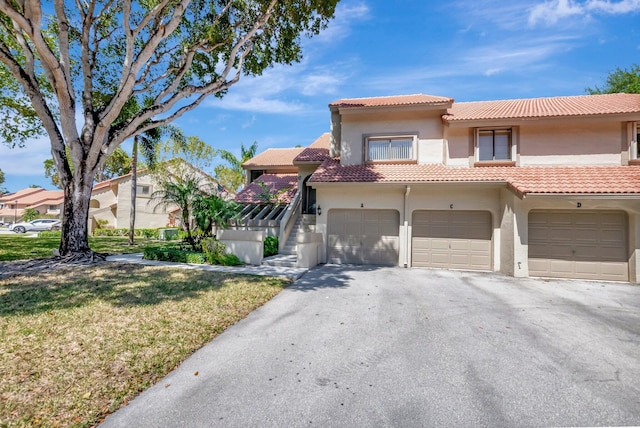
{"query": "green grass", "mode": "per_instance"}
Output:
(21, 247)
(78, 343)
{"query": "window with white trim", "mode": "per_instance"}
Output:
(143, 190)
(636, 135)
(493, 145)
(390, 148)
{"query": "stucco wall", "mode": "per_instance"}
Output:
(420, 197)
(427, 125)
(145, 215)
(546, 142)
(522, 207)
(509, 215)
(578, 142)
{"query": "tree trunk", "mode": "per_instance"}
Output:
(75, 214)
(134, 189)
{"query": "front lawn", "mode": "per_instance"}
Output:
(23, 247)
(78, 343)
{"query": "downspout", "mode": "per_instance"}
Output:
(406, 226)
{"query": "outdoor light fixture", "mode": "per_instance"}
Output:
(319, 210)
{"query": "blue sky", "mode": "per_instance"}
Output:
(466, 49)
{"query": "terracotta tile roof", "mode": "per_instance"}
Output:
(274, 157)
(35, 197)
(20, 194)
(584, 105)
(276, 183)
(524, 180)
(317, 152)
(396, 100)
(322, 142)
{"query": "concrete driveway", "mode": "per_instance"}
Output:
(365, 346)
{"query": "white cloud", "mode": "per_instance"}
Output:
(27, 160)
(504, 56)
(346, 14)
(552, 11)
(279, 89)
(614, 8)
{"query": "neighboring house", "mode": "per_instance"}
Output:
(46, 202)
(531, 187)
(111, 201)
(281, 170)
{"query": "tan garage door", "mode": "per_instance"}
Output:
(451, 239)
(363, 236)
(578, 244)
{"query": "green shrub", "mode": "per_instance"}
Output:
(50, 234)
(230, 260)
(142, 233)
(214, 251)
(173, 255)
(270, 246)
(102, 223)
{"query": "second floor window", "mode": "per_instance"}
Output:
(494, 145)
(143, 190)
(389, 148)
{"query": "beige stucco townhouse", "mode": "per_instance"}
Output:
(111, 199)
(531, 187)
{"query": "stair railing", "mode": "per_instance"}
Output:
(289, 220)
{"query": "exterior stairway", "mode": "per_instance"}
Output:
(305, 223)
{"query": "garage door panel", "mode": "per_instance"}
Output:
(363, 236)
(452, 239)
(589, 245)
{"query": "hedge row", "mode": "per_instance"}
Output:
(144, 233)
(174, 255)
(213, 253)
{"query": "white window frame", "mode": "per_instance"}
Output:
(140, 193)
(635, 147)
(478, 131)
(391, 137)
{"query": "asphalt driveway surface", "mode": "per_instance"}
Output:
(350, 346)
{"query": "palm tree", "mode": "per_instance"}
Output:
(232, 176)
(148, 141)
(183, 192)
(210, 210)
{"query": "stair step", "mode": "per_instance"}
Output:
(280, 260)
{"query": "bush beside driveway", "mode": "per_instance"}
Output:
(366, 346)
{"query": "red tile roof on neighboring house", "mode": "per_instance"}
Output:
(34, 197)
(584, 105)
(317, 152)
(396, 100)
(284, 185)
(274, 158)
(523, 180)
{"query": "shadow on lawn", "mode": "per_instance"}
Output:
(121, 285)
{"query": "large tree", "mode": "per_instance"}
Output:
(74, 66)
(620, 80)
(118, 163)
(2, 189)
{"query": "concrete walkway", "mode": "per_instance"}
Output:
(289, 272)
